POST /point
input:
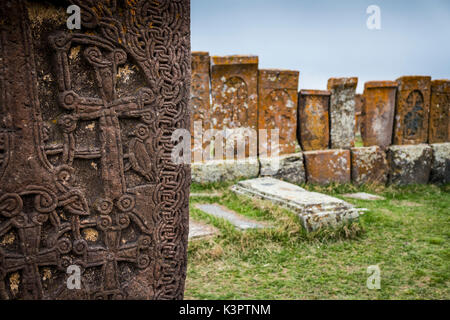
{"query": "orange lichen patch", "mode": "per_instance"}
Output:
(8, 239)
(377, 118)
(234, 59)
(412, 110)
(369, 165)
(313, 120)
(439, 124)
(14, 282)
(277, 95)
(342, 82)
(326, 166)
(90, 234)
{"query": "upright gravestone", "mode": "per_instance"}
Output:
(277, 92)
(313, 119)
(439, 125)
(342, 112)
(87, 183)
(234, 88)
(412, 110)
(200, 106)
(378, 113)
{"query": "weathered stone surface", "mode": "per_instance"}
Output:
(224, 170)
(378, 113)
(440, 169)
(412, 110)
(369, 165)
(439, 124)
(199, 104)
(87, 177)
(313, 119)
(409, 164)
(315, 210)
(290, 168)
(239, 221)
(234, 88)
(342, 112)
(205, 194)
(198, 230)
(327, 166)
(277, 94)
(359, 106)
(363, 196)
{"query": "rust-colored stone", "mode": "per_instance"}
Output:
(378, 113)
(359, 105)
(200, 105)
(86, 174)
(313, 122)
(369, 165)
(342, 112)
(412, 110)
(277, 94)
(327, 166)
(439, 124)
(234, 82)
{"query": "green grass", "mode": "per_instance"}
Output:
(406, 235)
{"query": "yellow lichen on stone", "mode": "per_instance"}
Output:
(8, 239)
(90, 234)
(74, 52)
(37, 13)
(47, 274)
(14, 281)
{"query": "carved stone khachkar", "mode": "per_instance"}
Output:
(439, 130)
(86, 176)
(412, 110)
(277, 94)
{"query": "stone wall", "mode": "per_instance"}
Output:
(315, 131)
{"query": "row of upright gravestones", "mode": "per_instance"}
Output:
(91, 205)
(230, 92)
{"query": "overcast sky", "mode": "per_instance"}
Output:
(329, 38)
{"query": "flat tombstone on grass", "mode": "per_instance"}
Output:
(277, 94)
(313, 120)
(87, 179)
(378, 113)
(234, 87)
(412, 110)
(342, 112)
(439, 125)
(200, 106)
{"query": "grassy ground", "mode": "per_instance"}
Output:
(406, 235)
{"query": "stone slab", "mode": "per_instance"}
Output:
(224, 170)
(199, 230)
(439, 124)
(313, 129)
(377, 121)
(369, 165)
(234, 218)
(327, 166)
(205, 194)
(315, 210)
(363, 196)
(440, 168)
(359, 106)
(412, 110)
(409, 164)
(277, 109)
(287, 167)
(342, 112)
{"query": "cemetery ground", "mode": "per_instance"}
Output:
(406, 235)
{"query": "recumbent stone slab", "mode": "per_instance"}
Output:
(377, 121)
(315, 210)
(412, 110)
(439, 125)
(313, 121)
(234, 218)
(199, 230)
(409, 164)
(369, 165)
(342, 112)
(87, 177)
(277, 95)
(363, 196)
(440, 169)
(327, 166)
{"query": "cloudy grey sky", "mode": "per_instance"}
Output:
(329, 38)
